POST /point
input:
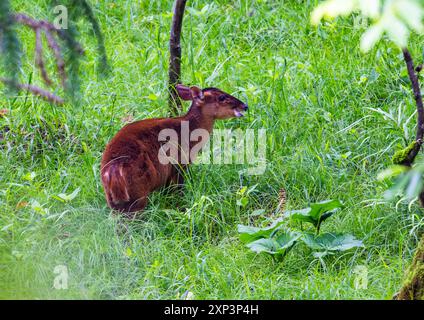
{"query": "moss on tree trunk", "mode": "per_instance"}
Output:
(413, 288)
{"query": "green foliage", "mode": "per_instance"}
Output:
(278, 246)
(243, 196)
(394, 17)
(81, 8)
(316, 213)
(9, 43)
(249, 234)
(329, 242)
(408, 182)
(277, 242)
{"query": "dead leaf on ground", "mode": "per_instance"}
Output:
(21, 204)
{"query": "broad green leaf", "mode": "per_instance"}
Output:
(371, 37)
(257, 212)
(415, 185)
(287, 239)
(391, 171)
(331, 241)
(301, 215)
(275, 246)
(331, 9)
(263, 245)
(317, 213)
(409, 183)
(411, 13)
(249, 234)
(69, 197)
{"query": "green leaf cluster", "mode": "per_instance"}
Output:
(396, 18)
(277, 240)
(407, 182)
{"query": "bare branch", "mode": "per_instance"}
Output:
(39, 57)
(35, 90)
(45, 25)
(420, 109)
(175, 55)
(60, 63)
(39, 27)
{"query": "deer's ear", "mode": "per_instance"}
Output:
(184, 92)
(197, 93)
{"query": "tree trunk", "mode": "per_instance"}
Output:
(175, 55)
(413, 288)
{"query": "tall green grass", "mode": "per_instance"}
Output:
(310, 88)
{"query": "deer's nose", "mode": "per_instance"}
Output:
(245, 107)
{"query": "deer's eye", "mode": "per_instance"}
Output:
(221, 98)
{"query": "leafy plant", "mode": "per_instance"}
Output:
(243, 196)
(277, 247)
(394, 17)
(316, 213)
(330, 242)
(248, 233)
(408, 182)
(276, 241)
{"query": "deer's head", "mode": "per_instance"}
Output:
(212, 102)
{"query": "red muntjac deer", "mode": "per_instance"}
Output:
(131, 167)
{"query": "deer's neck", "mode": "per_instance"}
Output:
(198, 119)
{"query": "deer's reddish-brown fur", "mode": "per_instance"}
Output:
(130, 167)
